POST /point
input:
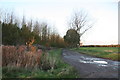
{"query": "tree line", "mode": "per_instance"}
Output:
(15, 32)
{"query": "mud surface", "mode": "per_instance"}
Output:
(91, 67)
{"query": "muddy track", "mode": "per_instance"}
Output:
(91, 67)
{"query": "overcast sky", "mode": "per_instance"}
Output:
(58, 12)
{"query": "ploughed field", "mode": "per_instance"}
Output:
(102, 52)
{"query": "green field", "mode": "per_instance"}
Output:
(103, 52)
(61, 70)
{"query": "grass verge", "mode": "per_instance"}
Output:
(59, 69)
(102, 52)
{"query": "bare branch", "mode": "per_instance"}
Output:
(86, 30)
(80, 22)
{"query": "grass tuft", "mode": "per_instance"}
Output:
(47, 64)
(103, 52)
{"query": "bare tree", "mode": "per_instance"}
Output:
(23, 21)
(36, 28)
(80, 23)
(0, 16)
(30, 25)
(11, 17)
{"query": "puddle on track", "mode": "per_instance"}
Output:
(98, 61)
(101, 62)
(91, 60)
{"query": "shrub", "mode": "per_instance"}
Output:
(21, 58)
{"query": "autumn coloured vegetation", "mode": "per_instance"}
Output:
(18, 31)
(32, 49)
(18, 62)
(19, 57)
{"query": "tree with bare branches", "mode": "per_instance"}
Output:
(80, 22)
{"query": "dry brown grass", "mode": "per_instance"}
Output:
(108, 50)
(20, 57)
